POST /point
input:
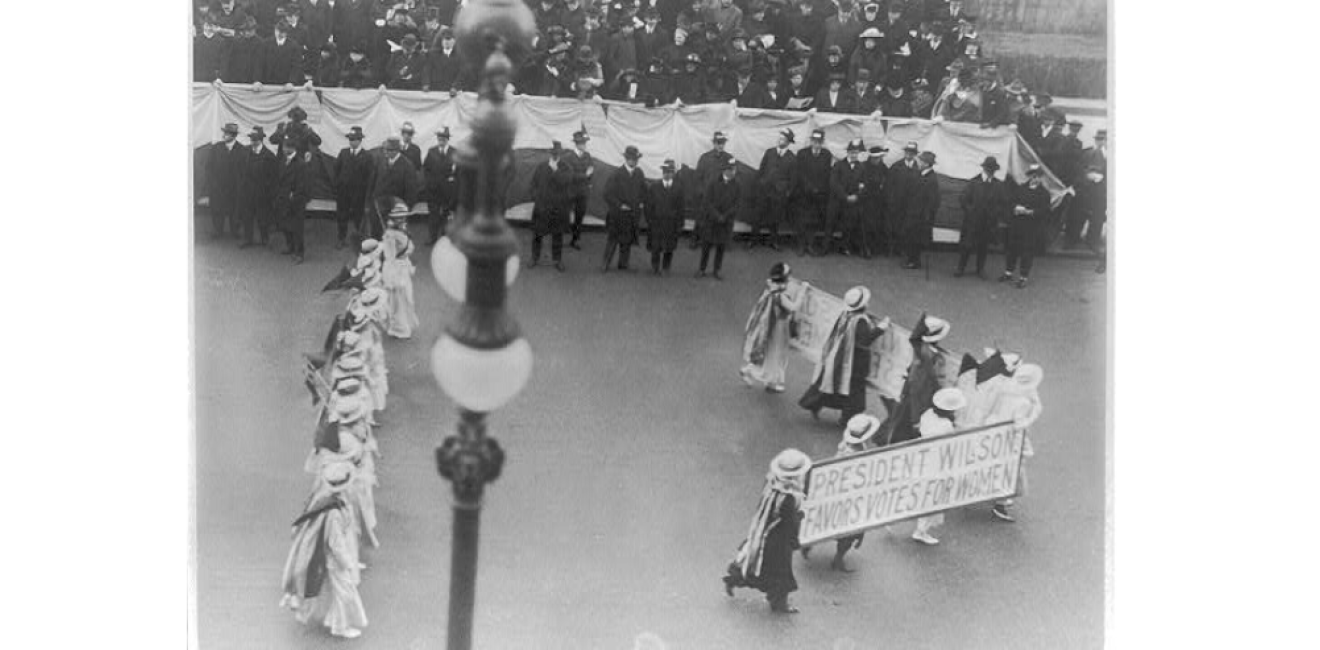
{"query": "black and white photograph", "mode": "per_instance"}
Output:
(651, 324)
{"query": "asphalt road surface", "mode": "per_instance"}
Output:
(635, 458)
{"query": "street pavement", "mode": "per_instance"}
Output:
(635, 458)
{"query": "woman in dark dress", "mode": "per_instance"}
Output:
(764, 560)
(931, 370)
(845, 361)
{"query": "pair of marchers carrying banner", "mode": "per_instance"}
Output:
(852, 494)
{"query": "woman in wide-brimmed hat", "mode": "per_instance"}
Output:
(937, 421)
(397, 272)
(322, 573)
(767, 334)
(857, 437)
(930, 370)
(845, 361)
(764, 559)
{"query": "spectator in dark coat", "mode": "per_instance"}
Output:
(229, 17)
(874, 175)
(842, 29)
(822, 74)
(806, 26)
(267, 13)
(923, 202)
(833, 98)
(985, 205)
(291, 196)
(845, 211)
(664, 218)
(256, 188)
(353, 170)
(652, 37)
(870, 55)
(813, 191)
(318, 17)
(895, 101)
(621, 51)
(355, 71)
(655, 84)
(994, 101)
(352, 24)
(211, 54)
(407, 67)
(935, 54)
(1091, 205)
(722, 200)
(862, 98)
(551, 77)
(327, 67)
(440, 183)
(1029, 126)
(774, 96)
(1031, 206)
(573, 17)
(245, 53)
(547, 13)
(552, 193)
(675, 54)
(395, 178)
(410, 149)
(796, 96)
(224, 165)
(690, 83)
(749, 94)
(281, 59)
(1052, 150)
(1070, 156)
(295, 134)
(444, 65)
(776, 178)
(297, 29)
(625, 197)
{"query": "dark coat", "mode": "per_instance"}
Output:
(709, 165)
(654, 89)
(397, 180)
(839, 105)
(776, 178)
(846, 180)
(353, 172)
(291, 193)
(327, 72)
(439, 177)
(210, 57)
(891, 106)
(297, 134)
(874, 176)
(813, 172)
(1037, 200)
(407, 71)
(898, 188)
(281, 64)
(1029, 128)
(352, 24)
(625, 195)
(318, 18)
(552, 191)
(722, 199)
(444, 72)
(752, 96)
(689, 87)
(256, 184)
(985, 205)
(580, 162)
(664, 217)
(649, 45)
(994, 106)
(224, 166)
(356, 75)
(244, 61)
(922, 204)
(414, 154)
(776, 576)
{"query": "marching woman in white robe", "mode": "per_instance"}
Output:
(357, 444)
(321, 574)
(397, 274)
(937, 421)
(1018, 401)
(366, 317)
(767, 334)
(351, 361)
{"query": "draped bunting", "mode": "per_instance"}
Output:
(679, 133)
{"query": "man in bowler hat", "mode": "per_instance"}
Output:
(985, 205)
(352, 177)
(255, 188)
(625, 196)
(224, 164)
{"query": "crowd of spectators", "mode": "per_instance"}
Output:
(899, 58)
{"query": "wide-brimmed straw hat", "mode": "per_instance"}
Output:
(861, 427)
(949, 399)
(337, 475)
(790, 463)
(1028, 376)
(857, 298)
(936, 329)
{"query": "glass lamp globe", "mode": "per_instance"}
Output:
(449, 266)
(481, 380)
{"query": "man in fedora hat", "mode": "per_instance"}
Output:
(665, 210)
(723, 196)
(710, 165)
(813, 191)
(444, 64)
(1026, 221)
(874, 175)
(255, 188)
(409, 148)
(552, 193)
(395, 179)
(291, 195)
(440, 184)
(846, 187)
(625, 197)
(857, 438)
(839, 380)
(579, 160)
(352, 177)
(281, 60)
(923, 202)
(898, 187)
(224, 165)
(776, 178)
(764, 559)
(985, 205)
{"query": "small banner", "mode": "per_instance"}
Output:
(852, 494)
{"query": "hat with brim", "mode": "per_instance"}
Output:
(861, 427)
(230, 128)
(949, 399)
(871, 32)
(348, 410)
(857, 298)
(780, 272)
(337, 475)
(1028, 376)
(297, 113)
(789, 464)
(719, 137)
(350, 363)
(911, 146)
(393, 144)
(789, 135)
(1016, 87)
(936, 329)
(257, 133)
(855, 146)
(927, 157)
(443, 133)
(354, 133)
(399, 211)
(580, 137)
(877, 150)
(631, 153)
(990, 163)
(818, 134)
(668, 165)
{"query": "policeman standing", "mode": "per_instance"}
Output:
(813, 164)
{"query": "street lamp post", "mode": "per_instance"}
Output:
(481, 360)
